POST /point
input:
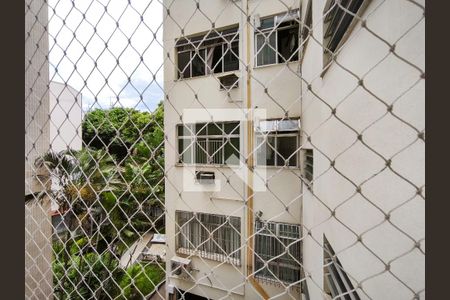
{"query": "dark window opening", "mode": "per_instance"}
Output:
(277, 142)
(288, 45)
(277, 39)
(216, 52)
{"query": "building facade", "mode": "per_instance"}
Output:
(38, 227)
(66, 117)
(279, 182)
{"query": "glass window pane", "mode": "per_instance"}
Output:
(198, 63)
(267, 23)
(215, 151)
(286, 146)
(288, 125)
(185, 151)
(214, 60)
(215, 129)
(232, 152)
(267, 125)
(266, 154)
(232, 128)
(231, 57)
(201, 151)
(267, 54)
(288, 44)
(200, 129)
(184, 65)
(184, 130)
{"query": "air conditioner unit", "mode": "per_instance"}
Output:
(228, 82)
(180, 265)
(205, 177)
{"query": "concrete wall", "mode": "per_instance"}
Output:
(38, 252)
(66, 117)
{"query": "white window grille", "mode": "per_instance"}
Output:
(278, 245)
(276, 39)
(209, 143)
(216, 52)
(215, 237)
(278, 142)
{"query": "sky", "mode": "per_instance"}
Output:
(79, 57)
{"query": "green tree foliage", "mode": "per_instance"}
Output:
(119, 129)
(108, 199)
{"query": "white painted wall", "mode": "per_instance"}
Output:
(66, 117)
(388, 78)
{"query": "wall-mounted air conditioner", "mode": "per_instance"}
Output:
(180, 265)
(205, 177)
(228, 82)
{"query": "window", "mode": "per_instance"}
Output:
(336, 281)
(209, 143)
(307, 23)
(283, 242)
(215, 52)
(277, 39)
(194, 231)
(308, 165)
(277, 142)
(337, 21)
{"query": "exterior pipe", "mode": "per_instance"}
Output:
(250, 163)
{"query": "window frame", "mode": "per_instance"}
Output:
(196, 43)
(277, 236)
(327, 53)
(194, 136)
(234, 257)
(335, 278)
(308, 173)
(276, 134)
(307, 21)
(267, 32)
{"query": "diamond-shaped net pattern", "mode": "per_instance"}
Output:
(227, 149)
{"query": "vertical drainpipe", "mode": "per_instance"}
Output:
(250, 158)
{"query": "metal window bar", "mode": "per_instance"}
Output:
(214, 237)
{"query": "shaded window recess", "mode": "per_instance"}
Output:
(215, 52)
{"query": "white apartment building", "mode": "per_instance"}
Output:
(65, 117)
(38, 227)
(337, 164)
